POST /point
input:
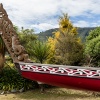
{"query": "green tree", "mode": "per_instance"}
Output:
(26, 37)
(92, 47)
(40, 50)
(68, 50)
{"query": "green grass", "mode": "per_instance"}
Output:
(51, 94)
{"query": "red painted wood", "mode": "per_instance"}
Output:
(64, 81)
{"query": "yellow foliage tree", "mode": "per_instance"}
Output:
(66, 26)
(65, 45)
(51, 42)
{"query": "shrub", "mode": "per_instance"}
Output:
(11, 79)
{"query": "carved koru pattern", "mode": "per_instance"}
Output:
(8, 33)
(79, 72)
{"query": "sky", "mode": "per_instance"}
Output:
(42, 15)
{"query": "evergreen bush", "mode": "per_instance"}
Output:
(11, 79)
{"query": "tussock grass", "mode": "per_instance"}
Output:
(51, 94)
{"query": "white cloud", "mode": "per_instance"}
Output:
(95, 24)
(82, 23)
(31, 12)
(43, 26)
(79, 7)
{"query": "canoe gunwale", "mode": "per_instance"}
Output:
(72, 71)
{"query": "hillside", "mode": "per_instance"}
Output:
(82, 32)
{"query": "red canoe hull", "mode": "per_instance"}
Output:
(76, 78)
(64, 81)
